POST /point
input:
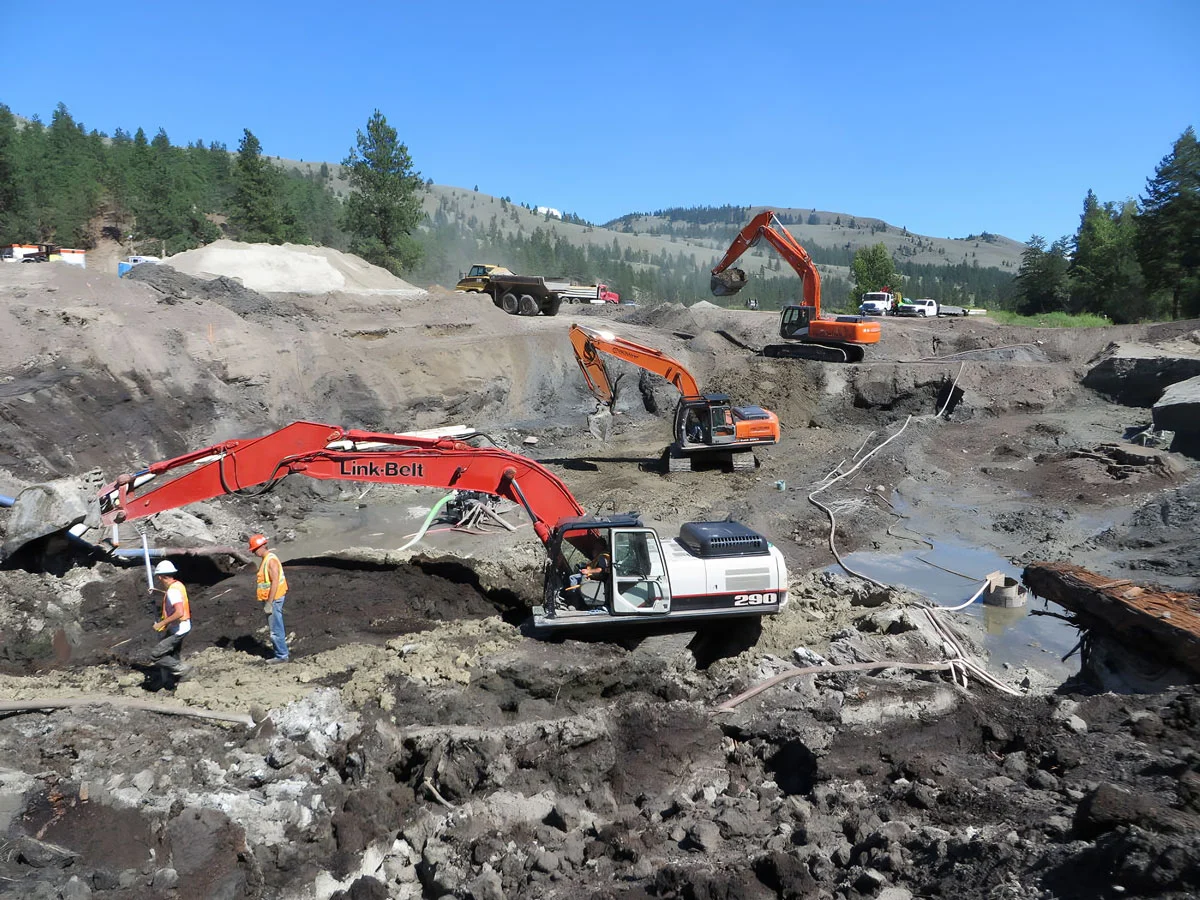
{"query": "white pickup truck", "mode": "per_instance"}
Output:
(918, 308)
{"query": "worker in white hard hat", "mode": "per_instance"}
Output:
(176, 621)
(271, 592)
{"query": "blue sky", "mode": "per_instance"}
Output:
(944, 117)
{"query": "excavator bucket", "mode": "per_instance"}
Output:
(728, 282)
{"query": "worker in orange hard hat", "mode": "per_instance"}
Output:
(271, 593)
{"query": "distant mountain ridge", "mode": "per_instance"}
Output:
(707, 230)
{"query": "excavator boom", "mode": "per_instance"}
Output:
(329, 452)
(765, 226)
(589, 343)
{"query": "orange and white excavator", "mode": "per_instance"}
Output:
(830, 339)
(712, 570)
(705, 424)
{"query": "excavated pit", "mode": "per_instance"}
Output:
(331, 602)
(575, 765)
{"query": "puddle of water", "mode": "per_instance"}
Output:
(383, 526)
(387, 525)
(1011, 636)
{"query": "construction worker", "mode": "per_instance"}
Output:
(176, 621)
(271, 593)
(596, 570)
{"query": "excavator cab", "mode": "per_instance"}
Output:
(705, 421)
(634, 584)
(795, 320)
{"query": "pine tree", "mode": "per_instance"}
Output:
(1169, 227)
(11, 226)
(1105, 276)
(1042, 278)
(258, 211)
(384, 209)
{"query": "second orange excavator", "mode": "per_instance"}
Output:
(826, 338)
(706, 425)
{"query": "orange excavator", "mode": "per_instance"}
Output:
(712, 570)
(826, 338)
(705, 424)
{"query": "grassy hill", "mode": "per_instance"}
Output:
(674, 230)
(668, 256)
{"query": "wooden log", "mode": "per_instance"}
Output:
(16, 706)
(1154, 623)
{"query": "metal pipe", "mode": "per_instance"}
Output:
(139, 554)
(146, 556)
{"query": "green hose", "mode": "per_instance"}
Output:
(437, 508)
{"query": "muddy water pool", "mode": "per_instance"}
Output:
(950, 573)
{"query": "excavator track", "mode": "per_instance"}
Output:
(838, 353)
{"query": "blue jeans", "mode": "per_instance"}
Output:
(278, 634)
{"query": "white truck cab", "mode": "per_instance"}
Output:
(918, 308)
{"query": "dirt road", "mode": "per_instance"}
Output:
(422, 745)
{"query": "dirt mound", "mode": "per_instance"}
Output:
(288, 268)
(177, 286)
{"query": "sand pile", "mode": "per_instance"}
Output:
(289, 268)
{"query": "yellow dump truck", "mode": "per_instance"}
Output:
(478, 277)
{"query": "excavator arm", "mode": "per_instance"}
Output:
(589, 344)
(765, 226)
(328, 452)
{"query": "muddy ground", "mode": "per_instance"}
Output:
(423, 744)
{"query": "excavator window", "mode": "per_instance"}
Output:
(639, 574)
(582, 549)
(722, 421)
(632, 559)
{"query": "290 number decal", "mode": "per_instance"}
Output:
(755, 599)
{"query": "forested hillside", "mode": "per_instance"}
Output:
(671, 258)
(65, 184)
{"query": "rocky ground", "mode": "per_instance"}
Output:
(423, 744)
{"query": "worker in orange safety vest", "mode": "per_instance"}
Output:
(271, 593)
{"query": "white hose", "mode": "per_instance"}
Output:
(960, 665)
(827, 483)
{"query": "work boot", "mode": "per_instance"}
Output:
(277, 659)
(185, 673)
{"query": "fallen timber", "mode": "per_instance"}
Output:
(1154, 623)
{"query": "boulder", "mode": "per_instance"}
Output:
(1178, 410)
(42, 855)
(48, 508)
(1137, 374)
